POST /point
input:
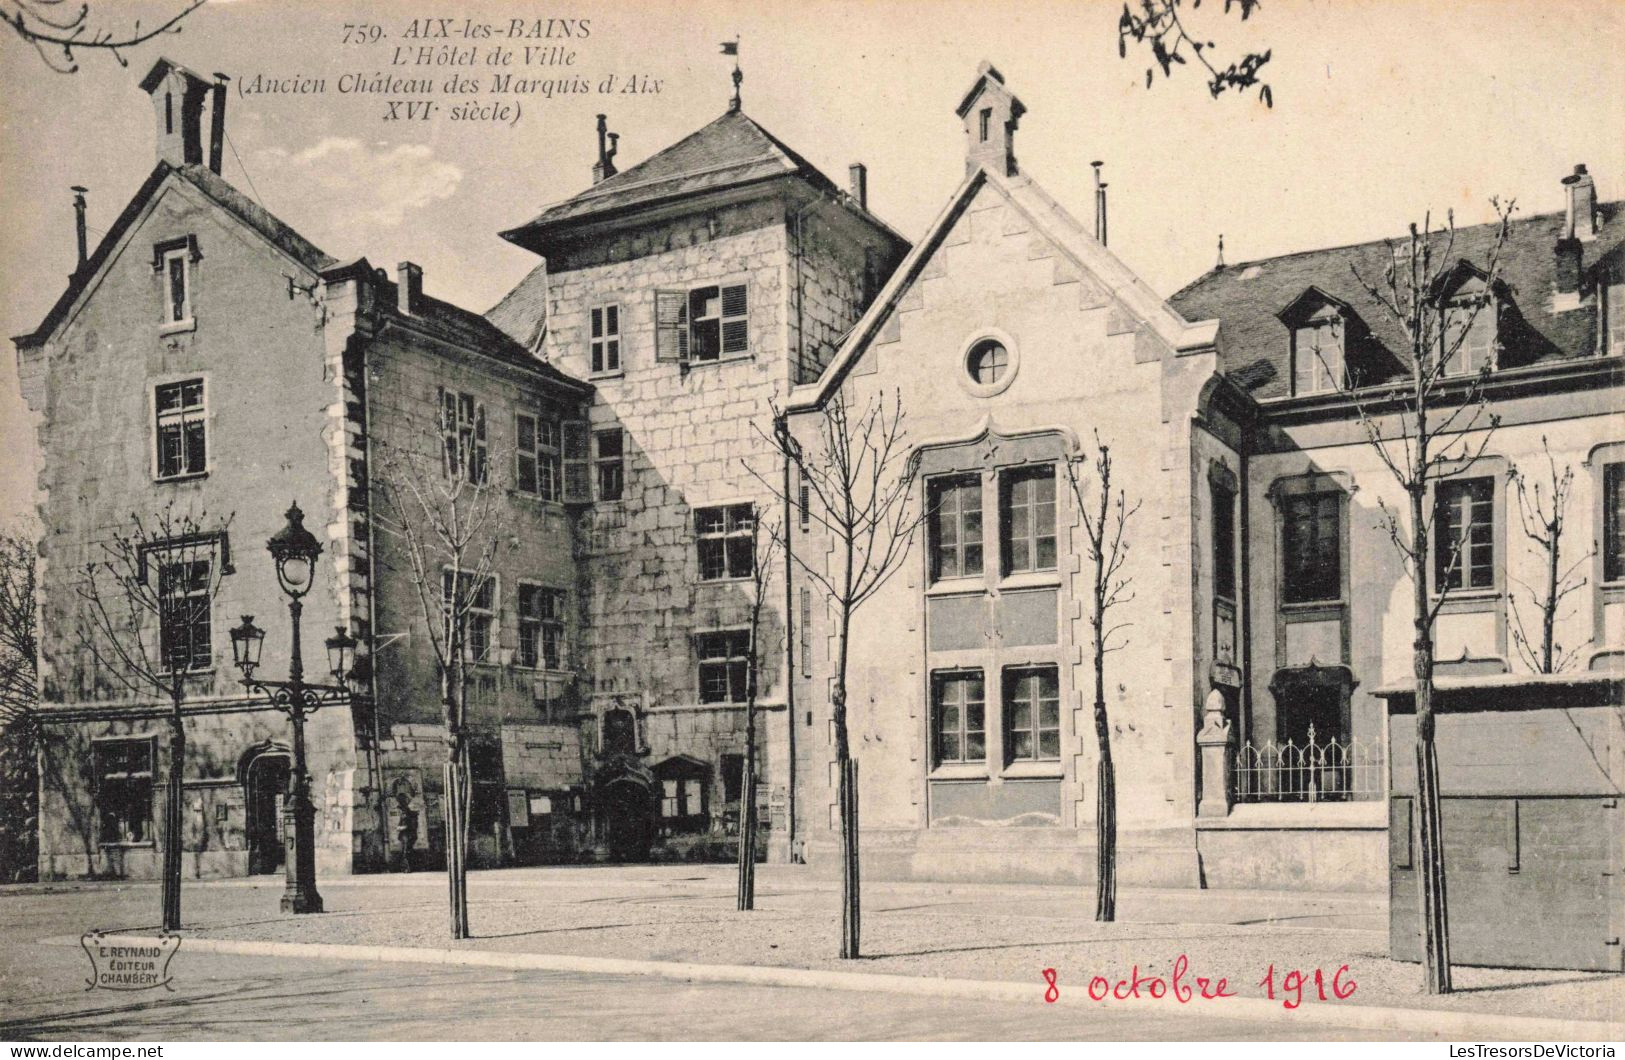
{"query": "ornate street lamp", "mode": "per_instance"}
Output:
(295, 550)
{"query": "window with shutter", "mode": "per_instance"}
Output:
(671, 326)
(735, 320)
(577, 462)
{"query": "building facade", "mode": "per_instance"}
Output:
(621, 403)
(1269, 614)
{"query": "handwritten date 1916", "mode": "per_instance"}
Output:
(1184, 987)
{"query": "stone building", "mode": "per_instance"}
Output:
(693, 290)
(1269, 606)
(207, 358)
(621, 400)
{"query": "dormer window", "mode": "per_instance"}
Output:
(1467, 313)
(1613, 307)
(1320, 326)
(1317, 353)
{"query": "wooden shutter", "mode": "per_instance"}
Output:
(735, 320)
(577, 462)
(671, 326)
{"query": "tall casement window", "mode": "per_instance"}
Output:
(173, 261)
(1027, 518)
(1467, 337)
(541, 627)
(958, 713)
(540, 461)
(1224, 541)
(1312, 548)
(1464, 534)
(722, 654)
(462, 435)
(725, 537)
(702, 324)
(607, 460)
(180, 434)
(478, 619)
(123, 791)
(185, 621)
(1032, 713)
(955, 526)
(1317, 353)
(1613, 523)
(606, 339)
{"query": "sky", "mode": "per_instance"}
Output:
(1383, 109)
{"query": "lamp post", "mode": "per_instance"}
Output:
(294, 549)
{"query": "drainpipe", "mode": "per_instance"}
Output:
(789, 658)
(1245, 712)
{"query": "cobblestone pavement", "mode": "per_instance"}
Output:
(685, 913)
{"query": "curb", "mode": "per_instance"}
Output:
(1435, 1023)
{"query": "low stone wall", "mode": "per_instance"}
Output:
(1326, 847)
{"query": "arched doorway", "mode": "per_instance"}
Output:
(627, 820)
(265, 781)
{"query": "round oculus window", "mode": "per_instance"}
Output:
(987, 362)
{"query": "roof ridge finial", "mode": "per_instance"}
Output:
(731, 47)
(1220, 264)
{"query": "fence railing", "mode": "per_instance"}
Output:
(1331, 769)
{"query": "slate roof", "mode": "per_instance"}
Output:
(730, 152)
(1255, 346)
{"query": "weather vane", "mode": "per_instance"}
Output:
(731, 47)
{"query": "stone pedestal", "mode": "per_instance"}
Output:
(1213, 747)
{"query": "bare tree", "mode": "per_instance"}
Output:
(1158, 25)
(1105, 518)
(859, 473)
(59, 28)
(448, 519)
(1432, 423)
(146, 608)
(1543, 516)
(764, 550)
(19, 702)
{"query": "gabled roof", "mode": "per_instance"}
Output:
(1049, 219)
(442, 319)
(221, 193)
(731, 152)
(1247, 297)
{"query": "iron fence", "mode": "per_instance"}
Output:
(1330, 769)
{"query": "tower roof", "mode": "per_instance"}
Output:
(731, 152)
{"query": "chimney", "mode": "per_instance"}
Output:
(990, 114)
(1581, 219)
(858, 182)
(217, 123)
(608, 144)
(178, 96)
(1100, 205)
(408, 287)
(79, 223)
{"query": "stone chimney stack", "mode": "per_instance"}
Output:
(858, 182)
(178, 96)
(990, 113)
(408, 287)
(1581, 205)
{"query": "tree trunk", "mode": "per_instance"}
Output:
(846, 797)
(455, 800)
(1105, 801)
(173, 818)
(1430, 870)
(1548, 617)
(747, 786)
